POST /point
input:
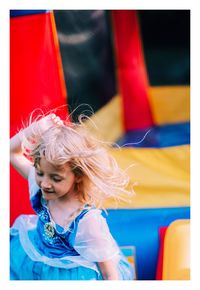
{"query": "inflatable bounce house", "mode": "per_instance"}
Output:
(132, 68)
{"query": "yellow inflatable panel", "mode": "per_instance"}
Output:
(162, 176)
(165, 102)
(106, 124)
(176, 258)
(170, 104)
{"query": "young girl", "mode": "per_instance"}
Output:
(69, 174)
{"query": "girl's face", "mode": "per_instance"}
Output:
(55, 182)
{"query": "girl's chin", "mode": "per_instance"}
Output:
(48, 195)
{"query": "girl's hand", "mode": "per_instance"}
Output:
(48, 122)
(18, 160)
(56, 119)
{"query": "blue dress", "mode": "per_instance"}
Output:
(40, 249)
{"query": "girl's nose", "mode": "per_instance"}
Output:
(45, 184)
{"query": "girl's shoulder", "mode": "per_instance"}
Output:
(87, 214)
(91, 213)
(92, 222)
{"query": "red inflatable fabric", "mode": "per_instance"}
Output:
(36, 81)
(159, 270)
(133, 81)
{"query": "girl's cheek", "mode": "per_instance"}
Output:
(37, 179)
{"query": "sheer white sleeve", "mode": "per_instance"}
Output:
(93, 240)
(33, 187)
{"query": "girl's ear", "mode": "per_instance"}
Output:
(78, 179)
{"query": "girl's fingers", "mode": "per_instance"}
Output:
(53, 116)
(48, 121)
(57, 120)
(60, 122)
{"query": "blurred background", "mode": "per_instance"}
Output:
(129, 70)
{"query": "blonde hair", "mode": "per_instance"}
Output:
(71, 143)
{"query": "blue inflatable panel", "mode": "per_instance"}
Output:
(140, 228)
(14, 13)
(157, 136)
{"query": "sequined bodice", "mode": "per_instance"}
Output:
(50, 238)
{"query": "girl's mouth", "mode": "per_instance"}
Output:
(47, 191)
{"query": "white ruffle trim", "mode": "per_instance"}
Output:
(23, 224)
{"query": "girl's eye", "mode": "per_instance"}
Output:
(39, 173)
(56, 179)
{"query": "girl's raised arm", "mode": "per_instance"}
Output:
(17, 158)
